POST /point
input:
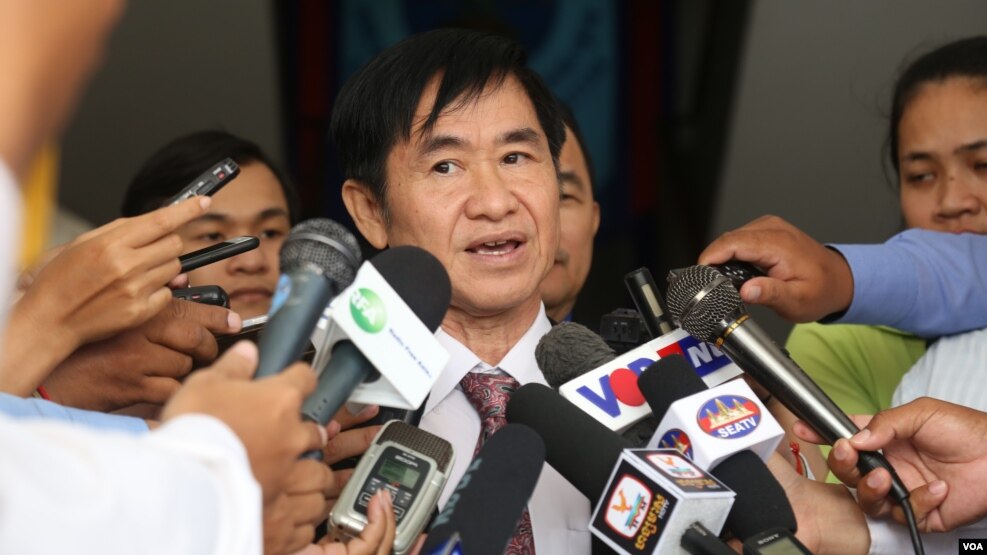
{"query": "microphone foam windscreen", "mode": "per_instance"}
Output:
(420, 280)
(576, 445)
(568, 351)
(488, 502)
(667, 380)
(327, 245)
(761, 500)
(700, 318)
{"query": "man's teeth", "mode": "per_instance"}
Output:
(496, 247)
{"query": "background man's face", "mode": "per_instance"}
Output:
(580, 218)
(480, 192)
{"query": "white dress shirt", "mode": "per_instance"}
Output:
(184, 488)
(559, 513)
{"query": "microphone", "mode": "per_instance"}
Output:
(761, 502)
(648, 301)
(570, 350)
(418, 285)
(647, 499)
(708, 306)
(576, 445)
(483, 511)
(318, 259)
(609, 392)
(708, 425)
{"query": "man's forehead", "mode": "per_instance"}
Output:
(509, 86)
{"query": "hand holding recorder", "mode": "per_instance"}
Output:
(108, 280)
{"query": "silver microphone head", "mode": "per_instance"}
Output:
(699, 298)
(326, 245)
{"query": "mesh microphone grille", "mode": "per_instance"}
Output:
(701, 320)
(326, 244)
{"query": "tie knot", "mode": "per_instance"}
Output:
(489, 393)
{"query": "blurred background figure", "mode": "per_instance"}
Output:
(261, 202)
(579, 217)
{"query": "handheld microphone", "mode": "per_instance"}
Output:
(419, 281)
(570, 350)
(761, 503)
(648, 301)
(318, 259)
(708, 425)
(609, 392)
(647, 499)
(483, 511)
(708, 306)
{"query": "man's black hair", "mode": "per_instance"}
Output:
(177, 163)
(375, 109)
(569, 119)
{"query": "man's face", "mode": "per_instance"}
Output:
(580, 218)
(480, 192)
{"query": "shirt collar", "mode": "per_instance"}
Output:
(519, 362)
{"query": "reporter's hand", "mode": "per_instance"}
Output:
(142, 365)
(108, 280)
(805, 280)
(114, 277)
(290, 521)
(829, 521)
(377, 538)
(343, 445)
(935, 449)
(265, 414)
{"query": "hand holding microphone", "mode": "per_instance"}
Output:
(805, 280)
(706, 304)
(934, 448)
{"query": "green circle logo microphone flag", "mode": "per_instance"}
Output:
(368, 310)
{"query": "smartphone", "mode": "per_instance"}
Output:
(217, 252)
(205, 294)
(209, 182)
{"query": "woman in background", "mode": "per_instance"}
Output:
(938, 148)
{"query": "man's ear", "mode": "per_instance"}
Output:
(366, 212)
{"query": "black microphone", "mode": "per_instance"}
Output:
(648, 301)
(576, 445)
(583, 451)
(761, 503)
(483, 511)
(570, 350)
(707, 305)
(318, 260)
(423, 284)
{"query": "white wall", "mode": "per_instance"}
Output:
(173, 67)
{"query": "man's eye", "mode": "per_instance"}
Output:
(443, 168)
(513, 158)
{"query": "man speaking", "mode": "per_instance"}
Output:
(451, 144)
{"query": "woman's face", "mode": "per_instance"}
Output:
(252, 204)
(942, 155)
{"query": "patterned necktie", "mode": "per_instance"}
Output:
(489, 393)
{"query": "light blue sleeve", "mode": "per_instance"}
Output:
(924, 282)
(15, 407)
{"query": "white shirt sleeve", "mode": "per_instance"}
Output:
(184, 488)
(891, 538)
